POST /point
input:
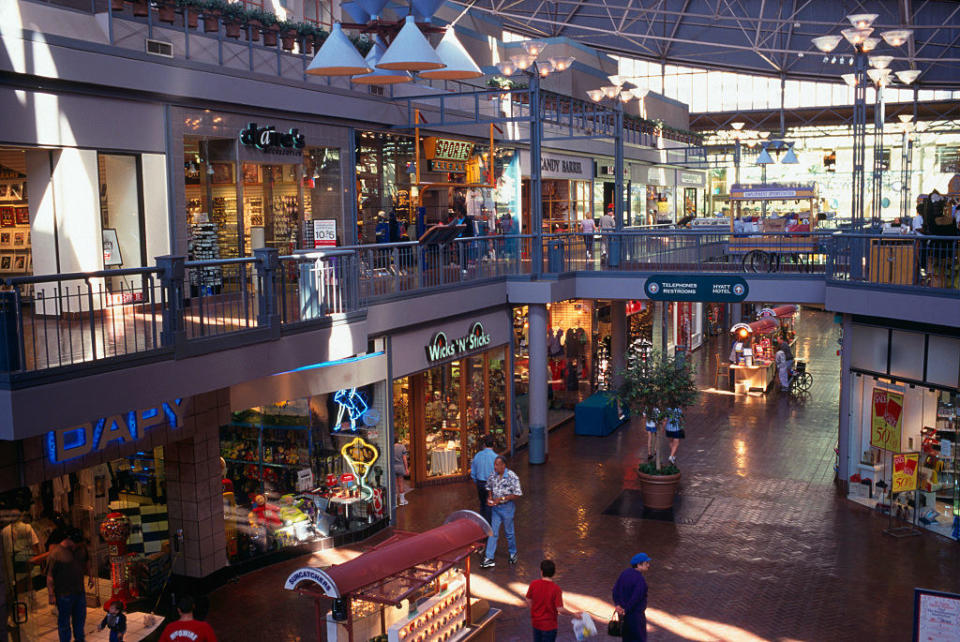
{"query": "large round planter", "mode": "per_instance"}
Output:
(141, 8)
(231, 29)
(658, 490)
(269, 37)
(116, 5)
(211, 23)
(167, 13)
(253, 30)
(192, 17)
(287, 39)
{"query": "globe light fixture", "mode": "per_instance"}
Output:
(869, 44)
(522, 61)
(610, 91)
(908, 76)
(626, 95)
(459, 64)
(545, 68)
(337, 57)
(850, 79)
(738, 125)
(410, 51)
(826, 44)
(880, 77)
(862, 20)
(896, 37)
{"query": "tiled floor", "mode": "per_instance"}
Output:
(775, 555)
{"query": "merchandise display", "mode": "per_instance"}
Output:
(439, 619)
(752, 354)
(16, 258)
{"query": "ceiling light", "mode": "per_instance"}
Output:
(763, 134)
(790, 158)
(337, 56)
(862, 20)
(424, 9)
(908, 76)
(880, 62)
(856, 36)
(459, 64)
(737, 125)
(596, 95)
(826, 59)
(410, 51)
(879, 76)
(800, 55)
(869, 44)
(563, 63)
(905, 118)
(534, 47)
(610, 91)
(616, 80)
(522, 61)
(896, 37)
(380, 76)
(834, 60)
(850, 79)
(826, 44)
(507, 68)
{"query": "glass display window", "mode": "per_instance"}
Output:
(442, 419)
(383, 182)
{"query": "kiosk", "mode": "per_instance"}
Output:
(752, 366)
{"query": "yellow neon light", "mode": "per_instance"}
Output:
(360, 467)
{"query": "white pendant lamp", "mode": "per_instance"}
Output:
(459, 64)
(424, 9)
(373, 7)
(337, 57)
(410, 51)
(380, 76)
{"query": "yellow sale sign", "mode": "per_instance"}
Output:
(905, 472)
(886, 420)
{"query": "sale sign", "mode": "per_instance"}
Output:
(905, 472)
(886, 420)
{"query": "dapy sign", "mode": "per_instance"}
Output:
(69, 443)
(707, 289)
(440, 347)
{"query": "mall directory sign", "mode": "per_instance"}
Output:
(705, 289)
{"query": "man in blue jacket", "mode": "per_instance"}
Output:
(480, 470)
(630, 598)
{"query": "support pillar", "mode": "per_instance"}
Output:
(843, 423)
(536, 185)
(537, 420)
(618, 341)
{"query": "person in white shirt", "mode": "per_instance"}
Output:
(588, 228)
(607, 224)
(917, 224)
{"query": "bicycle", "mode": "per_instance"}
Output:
(800, 380)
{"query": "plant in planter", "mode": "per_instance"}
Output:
(191, 11)
(212, 10)
(658, 388)
(362, 43)
(268, 22)
(166, 11)
(116, 5)
(288, 34)
(141, 8)
(234, 17)
(305, 34)
(255, 20)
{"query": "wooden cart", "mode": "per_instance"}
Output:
(772, 247)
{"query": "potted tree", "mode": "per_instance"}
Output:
(191, 13)
(234, 17)
(657, 387)
(212, 10)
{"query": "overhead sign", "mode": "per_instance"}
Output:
(314, 575)
(691, 179)
(905, 467)
(936, 616)
(560, 166)
(447, 149)
(268, 139)
(706, 289)
(771, 192)
(886, 419)
(65, 444)
(441, 348)
(447, 166)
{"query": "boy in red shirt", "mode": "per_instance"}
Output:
(545, 600)
(186, 629)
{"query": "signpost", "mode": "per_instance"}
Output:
(687, 287)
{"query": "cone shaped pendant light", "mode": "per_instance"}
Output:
(764, 158)
(373, 7)
(380, 76)
(410, 51)
(790, 158)
(459, 64)
(337, 57)
(424, 9)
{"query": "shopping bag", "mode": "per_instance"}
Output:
(615, 626)
(583, 627)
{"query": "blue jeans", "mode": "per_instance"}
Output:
(502, 514)
(544, 636)
(71, 607)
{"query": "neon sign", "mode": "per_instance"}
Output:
(360, 456)
(440, 347)
(353, 404)
(64, 444)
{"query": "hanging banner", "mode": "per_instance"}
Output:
(886, 420)
(905, 468)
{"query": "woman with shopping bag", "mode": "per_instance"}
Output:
(630, 599)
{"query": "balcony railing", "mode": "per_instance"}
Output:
(185, 307)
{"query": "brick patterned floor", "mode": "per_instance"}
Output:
(775, 556)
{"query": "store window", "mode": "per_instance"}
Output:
(16, 256)
(383, 169)
(34, 518)
(298, 471)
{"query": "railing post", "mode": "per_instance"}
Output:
(172, 274)
(9, 331)
(268, 262)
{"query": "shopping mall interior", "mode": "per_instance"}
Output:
(279, 279)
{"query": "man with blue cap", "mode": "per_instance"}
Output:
(630, 598)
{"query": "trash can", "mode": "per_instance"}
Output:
(613, 256)
(555, 259)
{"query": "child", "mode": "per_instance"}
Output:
(115, 620)
(545, 601)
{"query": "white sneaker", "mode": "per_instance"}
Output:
(403, 501)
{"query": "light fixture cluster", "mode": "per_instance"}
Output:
(738, 133)
(409, 52)
(532, 50)
(615, 90)
(859, 35)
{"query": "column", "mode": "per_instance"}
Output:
(736, 313)
(618, 340)
(843, 425)
(537, 420)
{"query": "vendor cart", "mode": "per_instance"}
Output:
(771, 243)
(752, 366)
(413, 587)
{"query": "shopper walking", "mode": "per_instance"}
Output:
(630, 598)
(545, 601)
(674, 433)
(607, 225)
(481, 468)
(503, 487)
(187, 628)
(66, 565)
(651, 436)
(401, 468)
(588, 228)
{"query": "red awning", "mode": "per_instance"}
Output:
(764, 326)
(785, 311)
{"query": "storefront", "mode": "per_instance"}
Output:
(567, 191)
(250, 182)
(903, 399)
(656, 189)
(308, 469)
(604, 188)
(450, 388)
(691, 188)
(83, 184)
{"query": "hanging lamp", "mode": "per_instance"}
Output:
(380, 76)
(459, 64)
(424, 9)
(790, 158)
(337, 56)
(373, 7)
(410, 51)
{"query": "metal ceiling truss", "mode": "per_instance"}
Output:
(768, 37)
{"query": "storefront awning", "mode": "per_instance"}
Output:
(758, 327)
(396, 568)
